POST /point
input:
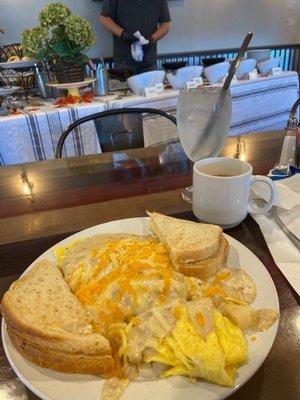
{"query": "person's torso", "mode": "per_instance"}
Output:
(138, 15)
(132, 16)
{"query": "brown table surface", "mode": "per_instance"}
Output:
(42, 203)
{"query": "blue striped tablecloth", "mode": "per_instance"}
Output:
(263, 104)
(33, 135)
(156, 129)
(257, 105)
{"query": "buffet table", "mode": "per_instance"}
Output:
(33, 134)
(260, 104)
(257, 105)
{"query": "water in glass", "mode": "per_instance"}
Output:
(203, 118)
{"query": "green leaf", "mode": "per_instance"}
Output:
(42, 53)
(61, 49)
(74, 47)
(78, 58)
(81, 59)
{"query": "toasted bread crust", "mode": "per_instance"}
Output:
(76, 363)
(180, 249)
(205, 268)
(70, 345)
(45, 337)
(61, 338)
(193, 255)
(34, 333)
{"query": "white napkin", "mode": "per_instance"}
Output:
(285, 254)
(136, 47)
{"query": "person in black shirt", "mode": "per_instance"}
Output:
(124, 17)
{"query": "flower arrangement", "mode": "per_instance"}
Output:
(60, 36)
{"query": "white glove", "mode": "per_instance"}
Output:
(137, 47)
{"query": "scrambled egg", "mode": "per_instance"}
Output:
(60, 252)
(214, 358)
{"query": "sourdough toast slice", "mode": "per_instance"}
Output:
(204, 268)
(187, 241)
(43, 316)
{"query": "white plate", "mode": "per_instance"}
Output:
(50, 385)
(72, 84)
(17, 64)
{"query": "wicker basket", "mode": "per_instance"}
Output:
(25, 81)
(10, 50)
(68, 72)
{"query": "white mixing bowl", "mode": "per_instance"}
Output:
(138, 83)
(265, 67)
(181, 76)
(215, 73)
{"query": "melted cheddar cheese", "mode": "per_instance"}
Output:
(124, 278)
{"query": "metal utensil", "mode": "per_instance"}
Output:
(103, 81)
(293, 120)
(293, 238)
(293, 124)
(274, 211)
(291, 144)
(41, 81)
(235, 64)
(11, 388)
(298, 149)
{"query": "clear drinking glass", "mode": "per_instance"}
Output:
(203, 119)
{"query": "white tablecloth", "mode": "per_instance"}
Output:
(33, 135)
(263, 104)
(156, 129)
(258, 105)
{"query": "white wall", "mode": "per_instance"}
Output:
(196, 24)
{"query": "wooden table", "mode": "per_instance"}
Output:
(43, 203)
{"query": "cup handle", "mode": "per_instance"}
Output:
(268, 206)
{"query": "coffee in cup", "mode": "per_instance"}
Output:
(221, 191)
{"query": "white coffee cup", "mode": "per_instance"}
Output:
(221, 191)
